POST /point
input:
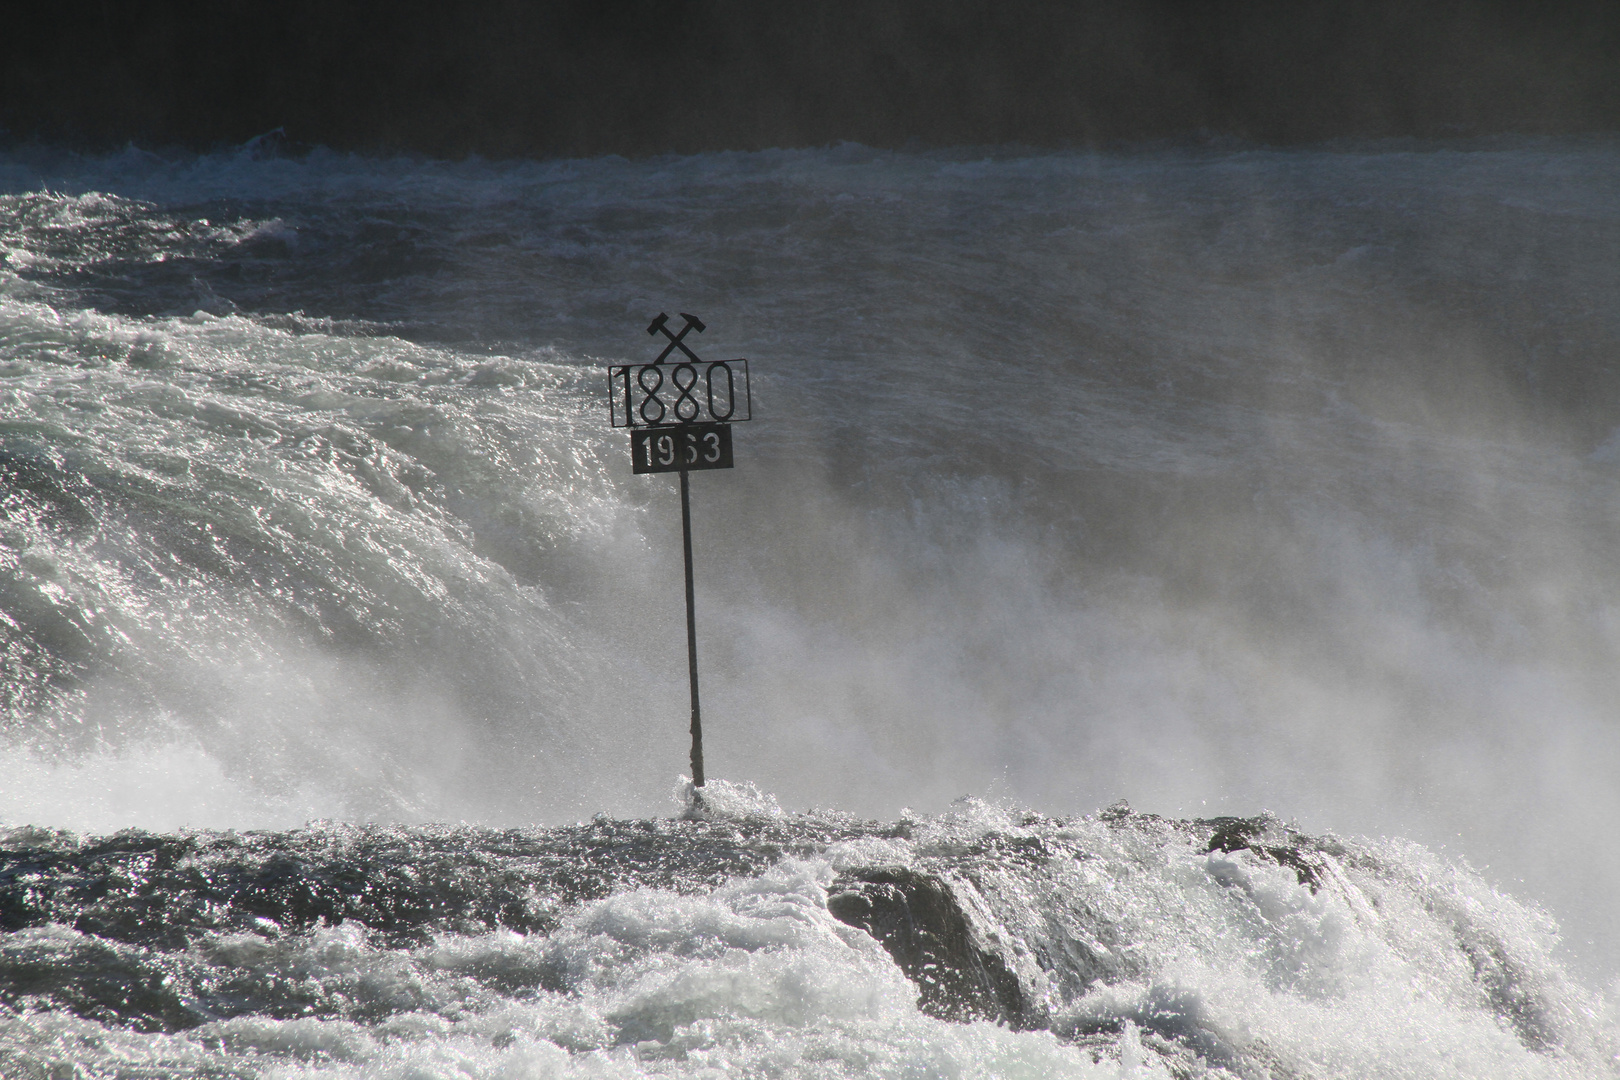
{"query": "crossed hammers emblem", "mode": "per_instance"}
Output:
(662, 324)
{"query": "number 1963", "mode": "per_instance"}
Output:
(680, 447)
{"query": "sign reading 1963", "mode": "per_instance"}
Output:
(680, 414)
(683, 446)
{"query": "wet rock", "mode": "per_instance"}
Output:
(919, 920)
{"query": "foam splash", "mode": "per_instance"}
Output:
(722, 800)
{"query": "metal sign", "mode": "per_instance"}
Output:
(673, 449)
(680, 415)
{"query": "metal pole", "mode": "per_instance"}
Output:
(691, 636)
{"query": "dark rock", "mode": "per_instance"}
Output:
(1265, 837)
(917, 918)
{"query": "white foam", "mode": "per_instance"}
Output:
(719, 800)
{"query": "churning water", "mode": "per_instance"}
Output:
(1220, 480)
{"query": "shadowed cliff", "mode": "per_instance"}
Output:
(570, 77)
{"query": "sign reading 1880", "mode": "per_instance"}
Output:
(680, 415)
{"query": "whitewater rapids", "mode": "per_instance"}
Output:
(742, 941)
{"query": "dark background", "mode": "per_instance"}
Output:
(585, 77)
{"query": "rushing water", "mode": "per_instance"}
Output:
(1214, 479)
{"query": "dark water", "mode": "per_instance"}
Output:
(578, 79)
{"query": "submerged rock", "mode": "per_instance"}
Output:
(960, 974)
